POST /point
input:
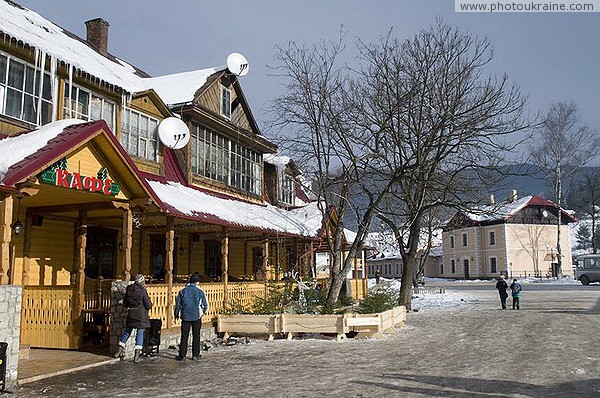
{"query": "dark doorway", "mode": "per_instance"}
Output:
(257, 261)
(101, 253)
(466, 266)
(212, 258)
(158, 257)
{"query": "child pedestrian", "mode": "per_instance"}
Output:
(516, 288)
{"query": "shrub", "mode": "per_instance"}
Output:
(379, 301)
(279, 299)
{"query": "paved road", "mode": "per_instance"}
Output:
(550, 348)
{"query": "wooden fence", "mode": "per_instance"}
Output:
(48, 319)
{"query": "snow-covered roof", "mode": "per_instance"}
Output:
(179, 87)
(33, 30)
(280, 161)
(202, 206)
(16, 148)
(506, 210)
(499, 211)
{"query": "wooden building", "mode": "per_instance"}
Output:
(90, 194)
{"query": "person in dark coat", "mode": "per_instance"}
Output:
(138, 304)
(190, 306)
(501, 285)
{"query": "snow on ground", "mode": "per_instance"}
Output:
(438, 294)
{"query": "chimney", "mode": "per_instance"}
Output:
(97, 34)
(512, 196)
(492, 200)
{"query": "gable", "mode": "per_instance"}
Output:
(210, 98)
(87, 155)
(150, 103)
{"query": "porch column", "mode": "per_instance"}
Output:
(245, 259)
(225, 265)
(265, 265)
(6, 208)
(170, 246)
(27, 249)
(127, 243)
(312, 260)
(81, 240)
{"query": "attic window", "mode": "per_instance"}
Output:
(287, 190)
(226, 102)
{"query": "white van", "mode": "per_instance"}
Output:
(588, 268)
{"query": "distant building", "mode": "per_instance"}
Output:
(515, 238)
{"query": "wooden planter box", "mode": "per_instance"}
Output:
(363, 324)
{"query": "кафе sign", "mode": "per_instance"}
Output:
(58, 175)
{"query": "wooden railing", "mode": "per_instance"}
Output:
(239, 294)
(359, 288)
(47, 318)
(96, 294)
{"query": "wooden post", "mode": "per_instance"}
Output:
(80, 260)
(245, 259)
(265, 265)
(170, 246)
(225, 265)
(6, 211)
(127, 236)
(25, 276)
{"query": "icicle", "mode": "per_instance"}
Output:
(54, 85)
(35, 70)
(70, 90)
(41, 87)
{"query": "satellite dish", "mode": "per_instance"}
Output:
(237, 64)
(173, 133)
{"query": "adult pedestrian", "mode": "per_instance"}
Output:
(516, 288)
(190, 306)
(138, 304)
(502, 286)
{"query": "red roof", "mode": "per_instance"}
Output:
(71, 137)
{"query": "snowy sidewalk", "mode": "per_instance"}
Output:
(457, 345)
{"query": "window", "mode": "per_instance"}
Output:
(287, 190)
(245, 169)
(465, 241)
(452, 242)
(441, 269)
(493, 265)
(20, 86)
(216, 157)
(85, 105)
(492, 238)
(139, 134)
(225, 102)
(212, 259)
(452, 266)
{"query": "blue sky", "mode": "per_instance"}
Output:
(552, 56)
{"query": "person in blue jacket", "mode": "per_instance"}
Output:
(190, 306)
(516, 288)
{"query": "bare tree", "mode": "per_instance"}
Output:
(411, 128)
(444, 121)
(561, 147)
(318, 123)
